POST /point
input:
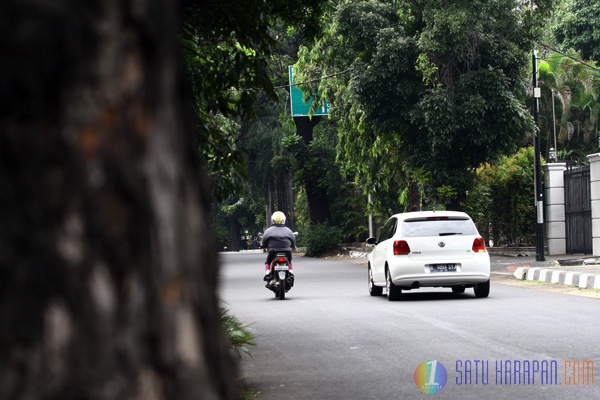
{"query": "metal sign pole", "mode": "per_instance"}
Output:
(539, 195)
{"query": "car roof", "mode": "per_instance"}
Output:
(427, 214)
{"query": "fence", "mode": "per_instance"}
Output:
(578, 210)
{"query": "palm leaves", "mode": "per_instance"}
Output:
(574, 89)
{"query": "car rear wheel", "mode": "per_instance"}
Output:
(393, 291)
(482, 289)
(458, 289)
(373, 290)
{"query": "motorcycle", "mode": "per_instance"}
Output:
(281, 280)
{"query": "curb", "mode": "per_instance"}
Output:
(580, 279)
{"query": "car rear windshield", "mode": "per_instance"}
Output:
(438, 226)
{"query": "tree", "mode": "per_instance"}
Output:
(227, 48)
(245, 207)
(312, 171)
(553, 79)
(576, 86)
(337, 216)
(434, 88)
(576, 27)
(108, 271)
(365, 41)
(233, 70)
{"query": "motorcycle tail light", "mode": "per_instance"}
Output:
(479, 245)
(281, 259)
(401, 248)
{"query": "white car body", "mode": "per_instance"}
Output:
(433, 249)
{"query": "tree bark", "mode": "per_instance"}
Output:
(108, 270)
(235, 231)
(281, 187)
(414, 197)
(316, 195)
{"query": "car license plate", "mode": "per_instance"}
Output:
(442, 267)
(282, 268)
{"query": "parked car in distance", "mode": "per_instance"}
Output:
(428, 249)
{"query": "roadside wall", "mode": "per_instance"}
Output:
(594, 160)
(554, 208)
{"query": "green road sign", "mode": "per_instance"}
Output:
(300, 108)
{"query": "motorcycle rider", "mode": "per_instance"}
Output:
(278, 239)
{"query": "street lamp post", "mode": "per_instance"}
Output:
(552, 156)
(539, 195)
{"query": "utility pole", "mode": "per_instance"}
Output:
(539, 195)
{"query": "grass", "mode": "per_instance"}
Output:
(239, 335)
(248, 395)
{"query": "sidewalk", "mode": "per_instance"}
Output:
(573, 270)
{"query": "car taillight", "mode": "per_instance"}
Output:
(401, 248)
(479, 245)
(281, 260)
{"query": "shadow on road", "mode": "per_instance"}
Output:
(433, 296)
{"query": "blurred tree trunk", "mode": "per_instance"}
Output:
(107, 265)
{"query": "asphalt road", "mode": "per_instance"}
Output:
(330, 340)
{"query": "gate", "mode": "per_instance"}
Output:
(578, 210)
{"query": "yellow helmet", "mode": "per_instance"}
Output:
(278, 218)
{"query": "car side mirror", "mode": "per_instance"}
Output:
(371, 240)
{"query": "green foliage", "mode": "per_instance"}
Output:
(231, 50)
(475, 122)
(249, 395)
(239, 336)
(575, 90)
(281, 163)
(320, 165)
(370, 147)
(577, 27)
(479, 205)
(446, 193)
(433, 86)
(221, 235)
(501, 203)
(226, 47)
(427, 69)
(315, 164)
(319, 239)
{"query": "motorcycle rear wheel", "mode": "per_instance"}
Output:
(281, 293)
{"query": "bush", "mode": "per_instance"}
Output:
(502, 202)
(320, 238)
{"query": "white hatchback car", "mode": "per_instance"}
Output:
(428, 249)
